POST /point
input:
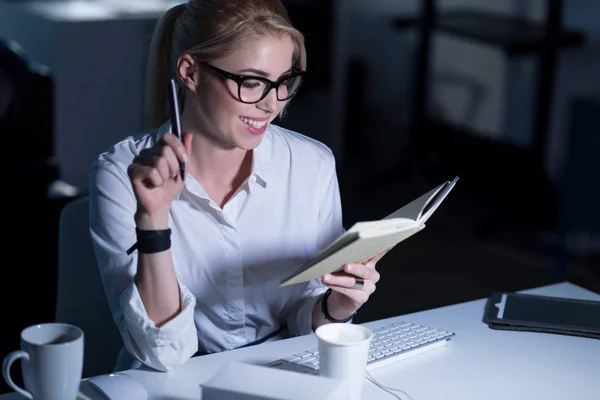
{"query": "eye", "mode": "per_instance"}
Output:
(252, 84)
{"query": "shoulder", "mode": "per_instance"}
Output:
(123, 152)
(300, 148)
(113, 162)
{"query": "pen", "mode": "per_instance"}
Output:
(175, 118)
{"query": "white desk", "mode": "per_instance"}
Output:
(478, 363)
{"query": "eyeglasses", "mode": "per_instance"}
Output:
(252, 89)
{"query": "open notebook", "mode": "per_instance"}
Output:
(365, 240)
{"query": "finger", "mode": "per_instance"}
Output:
(341, 280)
(347, 280)
(161, 165)
(154, 178)
(376, 276)
(176, 145)
(367, 273)
(372, 263)
(172, 161)
(379, 256)
(187, 142)
(148, 176)
(358, 296)
(361, 271)
(167, 169)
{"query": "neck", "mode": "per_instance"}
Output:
(216, 164)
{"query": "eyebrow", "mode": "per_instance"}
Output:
(260, 72)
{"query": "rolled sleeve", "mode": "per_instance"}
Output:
(164, 347)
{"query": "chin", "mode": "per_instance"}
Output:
(249, 143)
(249, 139)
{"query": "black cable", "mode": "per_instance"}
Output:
(387, 388)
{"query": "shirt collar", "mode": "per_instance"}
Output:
(164, 128)
(261, 157)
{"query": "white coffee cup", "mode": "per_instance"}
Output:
(51, 361)
(343, 353)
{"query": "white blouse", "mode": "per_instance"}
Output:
(229, 262)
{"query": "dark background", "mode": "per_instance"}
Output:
(505, 94)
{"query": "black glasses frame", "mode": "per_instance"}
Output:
(240, 79)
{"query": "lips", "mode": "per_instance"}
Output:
(256, 126)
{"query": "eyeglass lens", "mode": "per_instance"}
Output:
(253, 90)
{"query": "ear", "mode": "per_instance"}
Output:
(187, 72)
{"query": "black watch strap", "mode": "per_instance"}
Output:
(325, 311)
(151, 241)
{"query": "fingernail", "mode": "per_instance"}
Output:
(348, 268)
(185, 158)
(327, 278)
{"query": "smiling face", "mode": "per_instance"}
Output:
(219, 113)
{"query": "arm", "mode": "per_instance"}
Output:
(153, 311)
(155, 278)
(156, 182)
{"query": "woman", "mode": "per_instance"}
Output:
(256, 200)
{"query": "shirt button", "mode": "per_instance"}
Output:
(252, 180)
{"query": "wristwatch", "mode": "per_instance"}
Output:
(325, 311)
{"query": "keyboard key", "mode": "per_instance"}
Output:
(389, 343)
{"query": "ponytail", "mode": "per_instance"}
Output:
(160, 68)
(208, 30)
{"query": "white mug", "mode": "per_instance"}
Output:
(343, 353)
(51, 361)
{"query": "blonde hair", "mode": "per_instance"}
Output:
(208, 30)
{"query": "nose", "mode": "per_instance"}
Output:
(270, 102)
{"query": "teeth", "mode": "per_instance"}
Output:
(256, 124)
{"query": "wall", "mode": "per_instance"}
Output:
(471, 84)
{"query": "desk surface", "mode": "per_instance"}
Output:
(478, 363)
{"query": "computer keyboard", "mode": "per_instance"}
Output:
(390, 343)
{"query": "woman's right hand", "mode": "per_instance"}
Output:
(156, 179)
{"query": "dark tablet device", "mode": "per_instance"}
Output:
(515, 311)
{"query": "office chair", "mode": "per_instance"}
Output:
(81, 299)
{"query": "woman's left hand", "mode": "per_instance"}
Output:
(348, 294)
